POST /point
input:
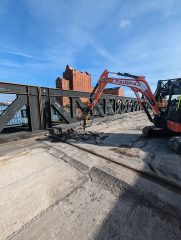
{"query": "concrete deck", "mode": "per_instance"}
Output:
(54, 190)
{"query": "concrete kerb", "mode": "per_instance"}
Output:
(9, 137)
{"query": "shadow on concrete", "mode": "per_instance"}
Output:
(138, 212)
(134, 217)
(15, 129)
(153, 152)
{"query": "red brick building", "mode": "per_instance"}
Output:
(80, 81)
(74, 80)
(114, 91)
(63, 84)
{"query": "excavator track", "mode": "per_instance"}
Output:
(152, 131)
(175, 144)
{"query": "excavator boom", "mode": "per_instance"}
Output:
(137, 84)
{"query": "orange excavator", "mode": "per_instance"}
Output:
(165, 103)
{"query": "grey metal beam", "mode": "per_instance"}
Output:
(73, 106)
(68, 93)
(12, 88)
(46, 111)
(110, 106)
(119, 107)
(80, 103)
(34, 113)
(16, 105)
(99, 108)
(61, 110)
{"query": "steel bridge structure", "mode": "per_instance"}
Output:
(39, 102)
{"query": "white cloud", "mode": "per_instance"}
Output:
(67, 29)
(21, 54)
(125, 23)
(71, 31)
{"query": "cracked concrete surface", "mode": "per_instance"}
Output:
(52, 190)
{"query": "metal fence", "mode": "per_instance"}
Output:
(40, 108)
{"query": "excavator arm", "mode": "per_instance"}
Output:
(163, 122)
(137, 84)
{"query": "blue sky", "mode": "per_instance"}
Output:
(38, 39)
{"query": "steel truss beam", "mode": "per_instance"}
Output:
(40, 100)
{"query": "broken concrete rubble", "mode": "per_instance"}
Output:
(80, 135)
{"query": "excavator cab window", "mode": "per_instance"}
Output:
(179, 104)
(175, 91)
(167, 94)
(174, 111)
(177, 87)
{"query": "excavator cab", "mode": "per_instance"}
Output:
(168, 93)
(168, 98)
